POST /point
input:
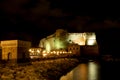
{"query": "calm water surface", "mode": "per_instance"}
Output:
(84, 71)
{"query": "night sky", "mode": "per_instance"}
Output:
(33, 20)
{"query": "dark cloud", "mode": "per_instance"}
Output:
(79, 22)
(12, 6)
(40, 18)
(47, 14)
(37, 12)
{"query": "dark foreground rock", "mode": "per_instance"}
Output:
(38, 70)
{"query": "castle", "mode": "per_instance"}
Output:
(76, 43)
(61, 38)
(58, 43)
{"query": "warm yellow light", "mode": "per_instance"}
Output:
(44, 55)
(48, 52)
(31, 57)
(54, 52)
(60, 52)
(92, 71)
(29, 50)
(48, 47)
(44, 51)
(70, 52)
(32, 51)
(91, 42)
(57, 53)
(38, 51)
(78, 38)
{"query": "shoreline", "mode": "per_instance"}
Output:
(39, 70)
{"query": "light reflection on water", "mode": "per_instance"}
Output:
(84, 71)
(93, 70)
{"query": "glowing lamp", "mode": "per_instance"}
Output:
(38, 51)
(29, 50)
(44, 55)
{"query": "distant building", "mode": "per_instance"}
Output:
(15, 50)
(74, 48)
(62, 39)
(58, 40)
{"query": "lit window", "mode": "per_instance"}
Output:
(91, 42)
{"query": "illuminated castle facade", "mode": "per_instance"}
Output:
(61, 39)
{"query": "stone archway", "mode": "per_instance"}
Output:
(9, 56)
(15, 50)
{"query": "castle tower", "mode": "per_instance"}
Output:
(15, 50)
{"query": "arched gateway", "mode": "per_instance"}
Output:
(13, 50)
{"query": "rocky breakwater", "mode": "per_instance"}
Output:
(38, 70)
